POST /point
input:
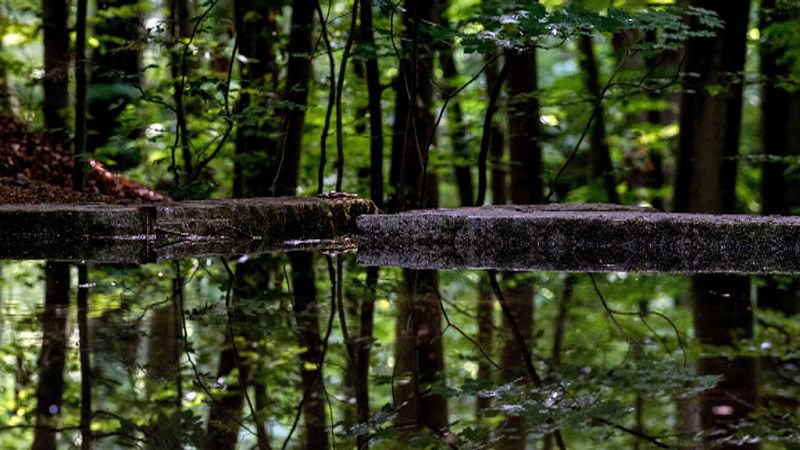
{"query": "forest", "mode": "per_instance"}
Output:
(686, 106)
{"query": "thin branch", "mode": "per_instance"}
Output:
(340, 86)
(202, 164)
(487, 129)
(331, 100)
(635, 433)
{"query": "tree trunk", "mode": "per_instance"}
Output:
(374, 90)
(116, 72)
(56, 68)
(79, 143)
(601, 154)
(455, 115)
(523, 130)
(298, 74)
(705, 182)
(499, 169)
(256, 148)
(780, 112)
(52, 358)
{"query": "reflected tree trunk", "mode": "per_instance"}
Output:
(52, 358)
(85, 358)
(705, 182)
(306, 311)
(164, 348)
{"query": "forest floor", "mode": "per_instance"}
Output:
(27, 192)
(34, 169)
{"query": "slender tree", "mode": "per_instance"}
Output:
(178, 30)
(601, 166)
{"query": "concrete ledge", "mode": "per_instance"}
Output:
(585, 238)
(111, 233)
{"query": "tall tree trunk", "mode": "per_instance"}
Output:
(499, 170)
(256, 148)
(601, 154)
(705, 182)
(418, 343)
(79, 142)
(526, 188)
(485, 299)
(306, 306)
(523, 129)
(780, 112)
(363, 344)
(56, 68)
(116, 72)
(52, 358)
(374, 90)
(455, 115)
(298, 73)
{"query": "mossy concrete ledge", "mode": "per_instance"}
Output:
(587, 238)
(143, 233)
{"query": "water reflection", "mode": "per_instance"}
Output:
(313, 351)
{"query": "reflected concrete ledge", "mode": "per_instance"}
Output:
(582, 238)
(146, 233)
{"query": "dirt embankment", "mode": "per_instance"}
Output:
(33, 169)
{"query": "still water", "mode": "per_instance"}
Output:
(312, 351)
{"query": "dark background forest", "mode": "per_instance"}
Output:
(685, 106)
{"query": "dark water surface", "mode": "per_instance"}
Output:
(251, 353)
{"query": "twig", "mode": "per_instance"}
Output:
(331, 100)
(340, 86)
(487, 129)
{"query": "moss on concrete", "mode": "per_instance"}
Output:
(113, 233)
(593, 238)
